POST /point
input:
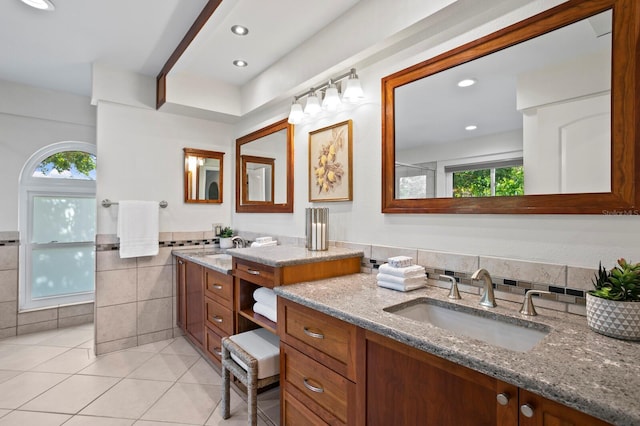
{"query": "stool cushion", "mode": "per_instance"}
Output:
(263, 346)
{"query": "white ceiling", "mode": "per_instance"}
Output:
(55, 50)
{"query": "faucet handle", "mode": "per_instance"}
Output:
(527, 304)
(453, 291)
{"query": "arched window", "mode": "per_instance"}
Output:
(57, 226)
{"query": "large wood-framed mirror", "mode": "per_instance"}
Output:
(203, 176)
(564, 140)
(264, 170)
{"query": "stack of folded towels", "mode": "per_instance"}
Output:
(401, 274)
(264, 242)
(266, 303)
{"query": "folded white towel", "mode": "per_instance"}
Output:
(400, 280)
(138, 228)
(263, 239)
(406, 272)
(266, 296)
(264, 244)
(400, 261)
(265, 311)
(399, 287)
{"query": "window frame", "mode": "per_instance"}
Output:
(30, 187)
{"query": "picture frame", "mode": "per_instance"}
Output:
(331, 163)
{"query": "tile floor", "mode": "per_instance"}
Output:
(53, 378)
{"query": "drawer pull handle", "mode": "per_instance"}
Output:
(312, 334)
(503, 398)
(526, 410)
(217, 319)
(311, 387)
(253, 272)
(217, 351)
(217, 286)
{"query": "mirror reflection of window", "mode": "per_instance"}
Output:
(547, 98)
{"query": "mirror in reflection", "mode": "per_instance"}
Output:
(533, 118)
(258, 179)
(202, 176)
(264, 170)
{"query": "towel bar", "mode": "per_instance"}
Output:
(108, 203)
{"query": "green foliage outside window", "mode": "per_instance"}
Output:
(509, 181)
(83, 162)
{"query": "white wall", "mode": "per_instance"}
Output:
(578, 240)
(140, 157)
(30, 119)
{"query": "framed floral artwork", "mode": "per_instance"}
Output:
(330, 163)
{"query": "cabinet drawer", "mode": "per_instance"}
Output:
(213, 345)
(323, 386)
(219, 287)
(218, 317)
(333, 337)
(296, 413)
(256, 273)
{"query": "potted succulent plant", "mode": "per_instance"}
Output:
(225, 237)
(613, 308)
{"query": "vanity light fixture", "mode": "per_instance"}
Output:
(471, 127)
(40, 4)
(313, 104)
(352, 92)
(467, 82)
(240, 63)
(240, 30)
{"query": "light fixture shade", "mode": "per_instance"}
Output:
(353, 90)
(313, 105)
(331, 100)
(40, 4)
(296, 114)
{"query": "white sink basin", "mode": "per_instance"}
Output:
(495, 329)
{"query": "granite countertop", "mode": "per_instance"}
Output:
(277, 256)
(572, 365)
(217, 260)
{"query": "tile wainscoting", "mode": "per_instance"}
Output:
(14, 323)
(135, 298)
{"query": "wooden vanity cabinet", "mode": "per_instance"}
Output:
(336, 373)
(319, 357)
(250, 275)
(194, 308)
(204, 299)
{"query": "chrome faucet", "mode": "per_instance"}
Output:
(487, 299)
(239, 242)
(453, 290)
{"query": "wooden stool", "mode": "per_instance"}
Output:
(253, 358)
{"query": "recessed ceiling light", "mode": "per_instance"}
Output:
(466, 82)
(471, 127)
(240, 63)
(40, 4)
(239, 30)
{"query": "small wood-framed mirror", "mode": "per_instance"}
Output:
(203, 176)
(264, 170)
(257, 186)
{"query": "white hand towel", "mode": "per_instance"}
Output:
(406, 272)
(400, 261)
(265, 244)
(138, 228)
(400, 280)
(265, 311)
(399, 287)
(266, 296)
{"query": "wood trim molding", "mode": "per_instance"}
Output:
(198, 24)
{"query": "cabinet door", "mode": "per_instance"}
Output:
(195, 303)
(405, 386)
(538, 411)
(181, 294)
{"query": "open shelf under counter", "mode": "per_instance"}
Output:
(258, 319)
